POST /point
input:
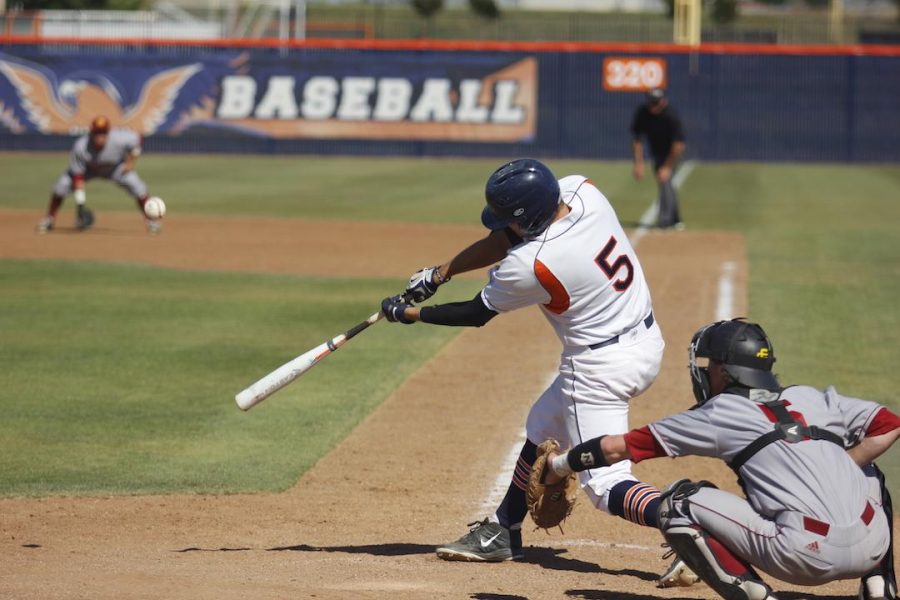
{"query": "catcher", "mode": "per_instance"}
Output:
(814, 511)
(105, 152)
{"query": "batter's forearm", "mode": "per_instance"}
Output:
(473, 313)
(485, 252)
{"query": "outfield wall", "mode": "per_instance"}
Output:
(738, 102)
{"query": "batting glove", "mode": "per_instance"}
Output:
(423, 284)
(393, 309)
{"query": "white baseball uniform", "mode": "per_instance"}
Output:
(811, 514)
(586, 277)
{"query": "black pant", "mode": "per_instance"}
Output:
(669, 215)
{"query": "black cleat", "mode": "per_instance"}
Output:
(877, 587)
(84, 218)
(485, 542)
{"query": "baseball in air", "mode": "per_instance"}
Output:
(154, 208)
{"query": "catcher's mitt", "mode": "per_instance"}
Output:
(549, 504)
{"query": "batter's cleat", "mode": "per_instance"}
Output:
(153, 227)
(84, 218)
(485, 542)
(45, 225)
(677, 575)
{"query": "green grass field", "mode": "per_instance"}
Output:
(824, 264)
(103, 393)
(384, 189)
(119, 378)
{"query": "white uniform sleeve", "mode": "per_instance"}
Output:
(513, 285)
(856, 413)
(688, 433)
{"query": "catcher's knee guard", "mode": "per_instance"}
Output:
(674, 500)
(724, 572)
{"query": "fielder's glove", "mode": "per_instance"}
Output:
(549, 504)
(393, 308)
(423, 284)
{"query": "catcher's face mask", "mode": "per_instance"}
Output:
(742, 348)
(698, 362)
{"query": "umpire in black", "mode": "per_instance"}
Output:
(659, 123)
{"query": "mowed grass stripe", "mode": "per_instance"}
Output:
(824, 264)
(120, 379)
(433, 190)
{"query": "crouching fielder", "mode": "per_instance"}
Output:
(106, 153)
(814, 512)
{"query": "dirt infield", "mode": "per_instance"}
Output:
(353, 527)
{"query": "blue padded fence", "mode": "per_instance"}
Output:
(736, 104)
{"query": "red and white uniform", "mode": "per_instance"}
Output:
(811, 515)
(586, 277)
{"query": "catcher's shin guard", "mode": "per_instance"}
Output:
(721, 570)
(674, 501)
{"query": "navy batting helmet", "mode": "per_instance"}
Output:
(524, 192)
(743, 349)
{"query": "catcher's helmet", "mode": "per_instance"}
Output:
(743, 349)
(524, 192)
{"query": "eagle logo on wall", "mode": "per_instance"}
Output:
(68, 107)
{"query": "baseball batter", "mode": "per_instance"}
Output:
(105, 152)
(811, 514)
(559, 246)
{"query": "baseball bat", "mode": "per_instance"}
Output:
(289, 371)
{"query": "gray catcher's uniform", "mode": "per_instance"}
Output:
(811, 514)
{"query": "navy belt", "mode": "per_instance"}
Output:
(648, 323)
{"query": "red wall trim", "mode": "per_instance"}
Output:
(477, 46)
